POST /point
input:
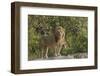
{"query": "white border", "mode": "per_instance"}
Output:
(25, 64)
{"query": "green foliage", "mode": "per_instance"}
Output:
(75, 30)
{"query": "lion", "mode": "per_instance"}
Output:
(59, 33)
(55, 40)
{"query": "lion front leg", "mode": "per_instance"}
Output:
(46, 53)
(42, 53)
(55, 51)
(59, 51)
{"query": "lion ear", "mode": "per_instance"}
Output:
(63, 29)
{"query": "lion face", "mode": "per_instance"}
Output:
(59, 33)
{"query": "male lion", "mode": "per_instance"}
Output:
(59, 33)
(54, 39)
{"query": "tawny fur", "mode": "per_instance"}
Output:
(55, 41)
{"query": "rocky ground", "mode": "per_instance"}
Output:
(71, 56)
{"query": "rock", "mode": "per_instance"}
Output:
(70, 56)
